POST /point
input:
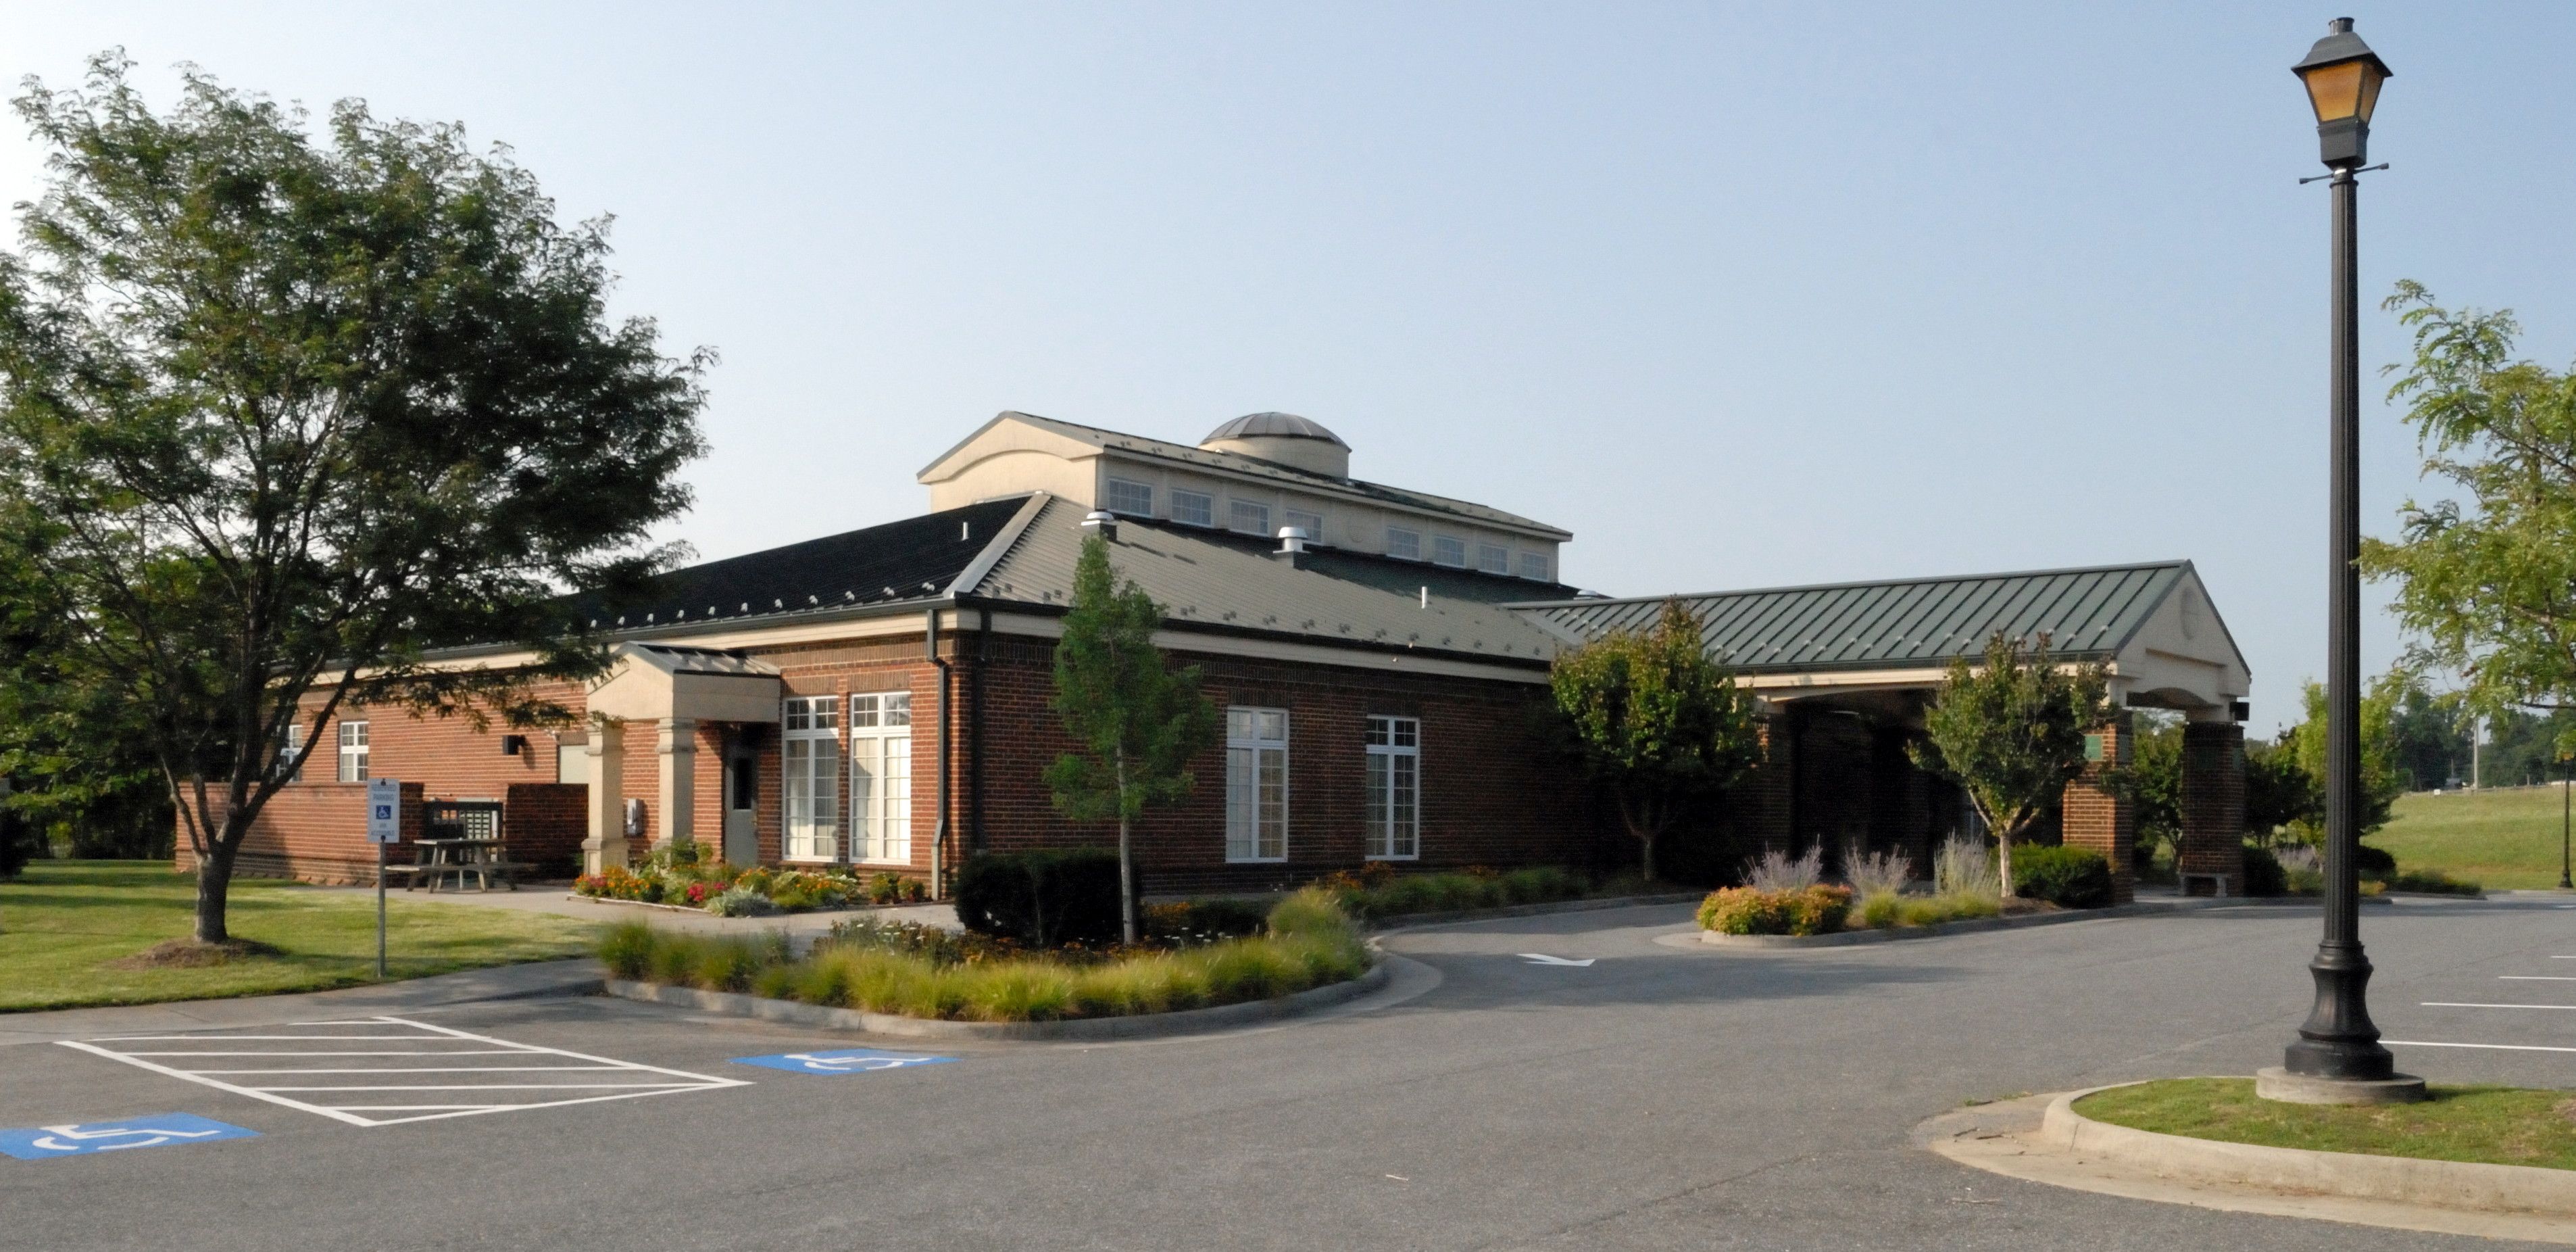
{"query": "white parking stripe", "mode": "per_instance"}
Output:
(2538, 977)
(648, 1079)
(2499, 1047)
(2454, 1004)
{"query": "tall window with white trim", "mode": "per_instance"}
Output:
(1534, 565)
(1133, 499)
(1248, 517)
(353, 752)
(881, 777)
(810, 746)
(1446, 550)
(1193, 508)
(288, 767)
(1394, 788)
(1404, 543)
(1256, 784)
(1493, 558)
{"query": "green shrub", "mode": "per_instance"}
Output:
(1202, 921)
(2370, 862)
(1311, 911)
(1042, 899)
(1813, 910)
(2433, 881)
(1540, 884)
(627, 950)
(2075, 878)
(2263, 876)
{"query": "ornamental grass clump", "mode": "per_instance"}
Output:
(1875, 874)
(917, 971)
(1776, 870)
(1965, 866)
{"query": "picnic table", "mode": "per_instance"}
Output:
(461, 838)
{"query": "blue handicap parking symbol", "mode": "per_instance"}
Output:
(37, 1143)
(842, 1061)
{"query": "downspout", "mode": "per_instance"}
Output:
(975, 732)
(939, 836)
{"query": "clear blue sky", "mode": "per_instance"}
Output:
(1741, 295)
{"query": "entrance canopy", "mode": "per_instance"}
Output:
(1869, 644)
(666, 682)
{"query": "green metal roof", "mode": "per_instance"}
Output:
(1913, 622)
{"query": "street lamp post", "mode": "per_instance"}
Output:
(2566, 784)
(2337, 1058)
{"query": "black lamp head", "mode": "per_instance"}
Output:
(2343, 76)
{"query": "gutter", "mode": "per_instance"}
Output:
(939, 835)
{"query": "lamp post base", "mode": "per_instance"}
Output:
(2276, 1083)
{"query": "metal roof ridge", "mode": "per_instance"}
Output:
(998, 547)
(1853, 585)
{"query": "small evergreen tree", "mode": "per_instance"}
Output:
(1656, 720)
(2011, 734)
(1139, 720)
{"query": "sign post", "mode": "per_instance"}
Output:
(384, 826)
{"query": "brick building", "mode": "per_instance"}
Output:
(879, 698)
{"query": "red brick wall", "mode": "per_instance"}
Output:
(2100, 820)
(542, 825)
(316, 832)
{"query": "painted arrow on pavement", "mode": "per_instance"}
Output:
(1541, 958)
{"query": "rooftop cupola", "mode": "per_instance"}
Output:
(1284, 439)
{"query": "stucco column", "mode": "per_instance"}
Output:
(676, 743)
(2102, 820)
(2213, 808)
(605, 844)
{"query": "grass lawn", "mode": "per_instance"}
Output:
(64, 921)
(2493, 1125)
(2497, 837)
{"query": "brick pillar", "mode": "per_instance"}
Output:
(2099, 820)
(603, 841)
(2213, 805)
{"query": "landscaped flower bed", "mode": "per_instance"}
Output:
(1378, 891)
(1785, 896)
(679, 879)
(921, 971)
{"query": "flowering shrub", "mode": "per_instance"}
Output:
(1812, 910)
(678, 878)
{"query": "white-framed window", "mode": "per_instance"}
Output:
(1394, 788)
(288, 767)
(353, 752)
(1534, 566)
(1133, 499)
(1404, 543)
(881, 777)
(1311, 523)
(1256, 784)
(1193, 508)
(1248, 517)
(1492, 559)
(1448, 551)
(810, 748)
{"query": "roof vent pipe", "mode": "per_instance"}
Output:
(1103, 523)
(1292, 540)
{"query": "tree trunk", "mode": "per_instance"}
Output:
(1126, 864)
(214, 886)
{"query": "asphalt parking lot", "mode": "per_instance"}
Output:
(1659, 1097)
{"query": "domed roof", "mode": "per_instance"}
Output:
(1273, 426)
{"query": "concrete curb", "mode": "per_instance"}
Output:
(1406, 921)
(1141, 1026)
(2404, 1179)
(1846, 938)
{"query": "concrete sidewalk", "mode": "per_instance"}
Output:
(500, 982)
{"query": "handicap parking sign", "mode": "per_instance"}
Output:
(38, 1143)
(842, 1061)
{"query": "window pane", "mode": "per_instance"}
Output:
(1405, 805)
(898, 709)
(1311, 523)
(1134, 499)
(1273, 724)
(1448, 551)
(1377, 731)
(1404, 543)
(1239, 786)
(1493, 560)
(863, 711)
(1238, 723)
(1378, 799)
(1408, 732)
(1249, 517)
(1274, 803)
(1193, 508)
(1534, 565)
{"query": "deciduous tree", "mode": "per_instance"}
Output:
(2010, 731)
(1138, 719)
(280, 414)
(1656, 720)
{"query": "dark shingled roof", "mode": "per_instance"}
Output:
(911, 559)
(2087, 613)
(1386, 573)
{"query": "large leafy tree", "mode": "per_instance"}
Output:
(2487, 587)
(283, 414)
(1137, 718)
(2382, 777)
(2010, 732)
(1656, 720)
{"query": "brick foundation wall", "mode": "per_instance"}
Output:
(2100, 820)
(2213, 802)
